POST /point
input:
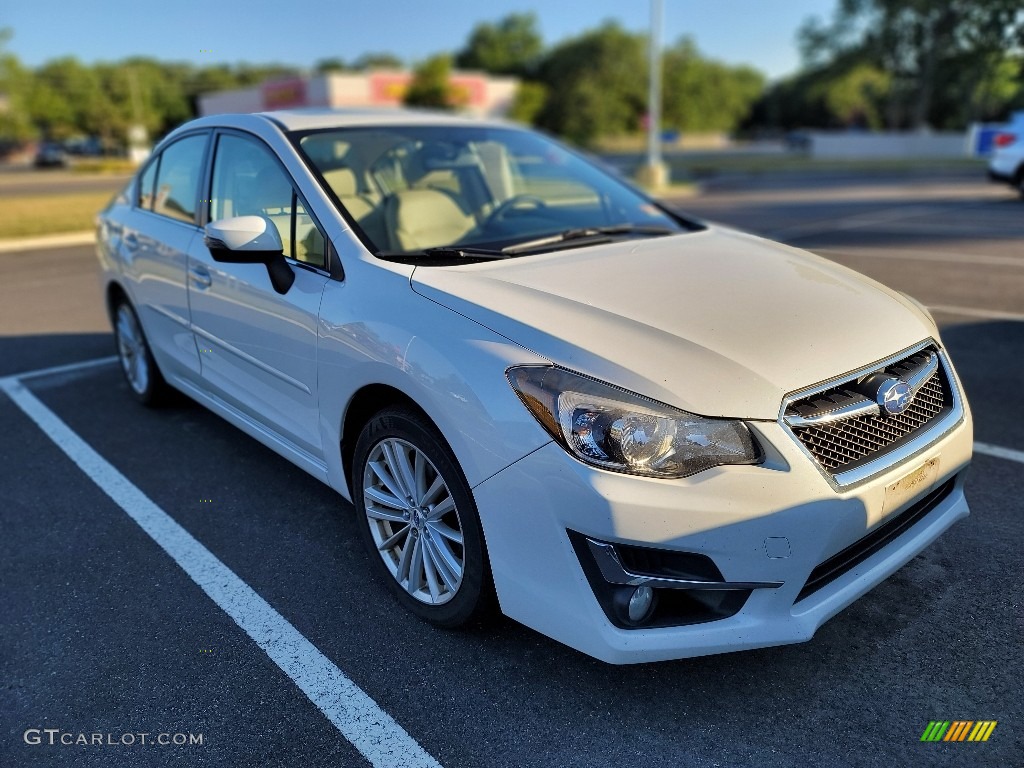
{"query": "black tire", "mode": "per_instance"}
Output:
(133, 350)
(474, 596)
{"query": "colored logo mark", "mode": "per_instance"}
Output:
(959, 730)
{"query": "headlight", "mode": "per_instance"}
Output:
(615, 429)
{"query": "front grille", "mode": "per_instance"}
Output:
(846, 444)
(861, 550)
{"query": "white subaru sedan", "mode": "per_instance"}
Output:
(643, 436)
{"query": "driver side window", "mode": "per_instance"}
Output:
(248, 181)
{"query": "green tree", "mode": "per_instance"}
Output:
(512, 46)
(528, 102)
(856, 96)
(380, 60)
(938, 54)
(15, 85)
(66, 99)
(705, 95)
(597, 84)
(333, 64)
(430, 86)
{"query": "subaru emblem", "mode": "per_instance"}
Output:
(895, 396)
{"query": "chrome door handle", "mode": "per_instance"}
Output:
(199, 277)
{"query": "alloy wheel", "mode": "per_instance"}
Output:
(131, 348)
(414, 521)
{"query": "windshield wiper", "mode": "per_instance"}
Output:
(444, 252)
(581, 233)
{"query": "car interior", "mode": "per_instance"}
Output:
(408, 195)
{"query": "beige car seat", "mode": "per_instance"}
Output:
(425, 218)
(365, 209)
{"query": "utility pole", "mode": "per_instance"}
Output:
(654, 174)
(138, 149)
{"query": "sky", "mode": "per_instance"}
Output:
(299, 32)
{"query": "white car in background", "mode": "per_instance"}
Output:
(646, 437)
(1007, 162)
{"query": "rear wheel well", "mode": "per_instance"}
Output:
(115, 295)
(365, 404)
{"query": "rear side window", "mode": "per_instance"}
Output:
(144, 195)
(177, 182)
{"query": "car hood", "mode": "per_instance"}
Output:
(716, 322)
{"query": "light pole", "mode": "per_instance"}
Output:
(655, 173)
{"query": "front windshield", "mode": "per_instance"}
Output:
(411, 189)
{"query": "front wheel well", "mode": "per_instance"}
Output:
(364, 405)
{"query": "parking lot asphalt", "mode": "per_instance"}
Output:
(104, 632)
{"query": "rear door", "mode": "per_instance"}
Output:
(157, 235)
(257, 348)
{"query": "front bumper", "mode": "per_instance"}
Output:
(1004, 164)
(728, 514)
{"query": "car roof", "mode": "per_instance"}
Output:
(314, 118)
(321, 118)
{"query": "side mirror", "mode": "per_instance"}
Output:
(250, 240)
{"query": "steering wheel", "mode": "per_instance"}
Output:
(516, 201)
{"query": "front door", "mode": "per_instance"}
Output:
(257, 348)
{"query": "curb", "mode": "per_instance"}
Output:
(47, 241)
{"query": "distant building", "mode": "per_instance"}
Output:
(478, 94)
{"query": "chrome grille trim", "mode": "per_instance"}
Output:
(922, 426)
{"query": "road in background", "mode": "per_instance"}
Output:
(104, 633)
(25, 182)
(948, 240)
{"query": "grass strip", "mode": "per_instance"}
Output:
(34, 215)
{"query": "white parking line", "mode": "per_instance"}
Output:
(999, 452)
(69, 368)
(381, 740)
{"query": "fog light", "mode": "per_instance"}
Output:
(641, 602)
(634, 606)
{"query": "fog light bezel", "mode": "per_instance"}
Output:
(671, 607)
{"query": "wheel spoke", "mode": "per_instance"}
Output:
(387, 499)
(429, 569)
(393, 539)
(416, 566)
(448, 574)
(441, 509)
(141, 372)
(384, 514)
(398, 465)
(431, 493)
(402, 573)
(420, 471)
(444, 530)
(392, 484)
(446, 558)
